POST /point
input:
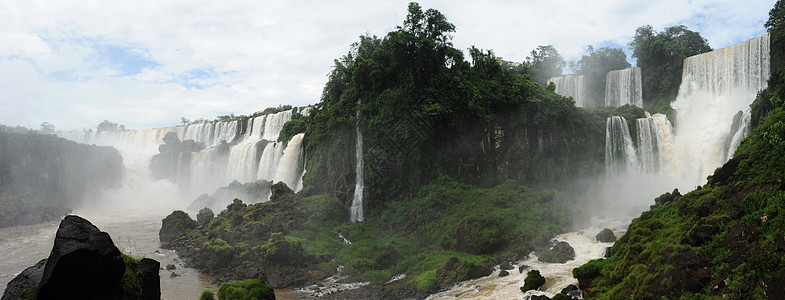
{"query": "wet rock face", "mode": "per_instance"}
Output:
(24, 284)
(559, 253)
(84, 263)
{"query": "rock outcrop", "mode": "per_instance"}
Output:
(85, 264)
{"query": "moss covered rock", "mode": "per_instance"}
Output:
(251, 289)
(175, 226)
(533, 281)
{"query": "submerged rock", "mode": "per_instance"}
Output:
(522, 268)
(606, 236)
(559, 253)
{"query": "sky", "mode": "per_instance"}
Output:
(147, 64)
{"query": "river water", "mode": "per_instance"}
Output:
(557, 276)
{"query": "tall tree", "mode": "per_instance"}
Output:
(544, 62)
(661, 56)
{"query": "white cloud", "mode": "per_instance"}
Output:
(208, 58)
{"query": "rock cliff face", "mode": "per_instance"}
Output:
(42, 176)
(85, 264)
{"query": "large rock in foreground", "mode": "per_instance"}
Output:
(85, 264)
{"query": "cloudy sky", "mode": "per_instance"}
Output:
(148, 63)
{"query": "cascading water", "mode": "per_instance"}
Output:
(570, 86)
(229, 155)
(655, 143)
(623, 87)
(357, 200)
(715, 87)
(290, 167)
(619, 151)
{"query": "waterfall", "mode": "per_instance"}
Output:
(647, 145)
(655, 142)
(623, 87)
(290, 165)
(738, 131)
(715, 87)
(357, 200)
(570, 86)
(619, 151)
(232, 152)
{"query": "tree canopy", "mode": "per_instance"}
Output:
(660, 56)
(543, 63)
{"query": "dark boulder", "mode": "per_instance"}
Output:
(559, 253)
(572, 292)
(606, 236)
(24, 285)
(504, 273)
(539, 297)
(506, 265)
(151, 280)
(84, 263)
(522, 268)
(205, 216)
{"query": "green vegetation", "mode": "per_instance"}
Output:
(722, 240)
(533, 281)
(425, 112)
(543, 63)
(447, 232)
(660, 56)
(131, 284)
(207, 295)
(251, 289)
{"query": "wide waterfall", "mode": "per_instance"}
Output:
(712, 113)
(570, 86)
(623, 87)
(357, 200)
(233, 150)
(619, 151)
(716, 87)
